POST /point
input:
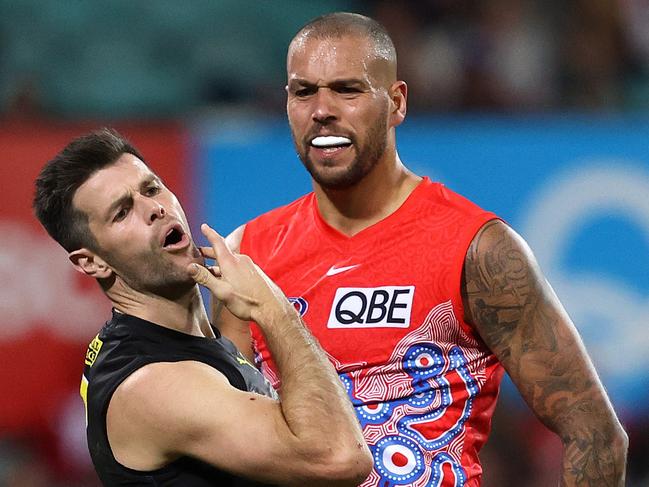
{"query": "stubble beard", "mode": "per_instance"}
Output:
(366, 159)
(152, 273)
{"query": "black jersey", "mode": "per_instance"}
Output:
(125, 344)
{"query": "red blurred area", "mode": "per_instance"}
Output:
(41, 365)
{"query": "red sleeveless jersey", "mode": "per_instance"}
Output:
(386, 306)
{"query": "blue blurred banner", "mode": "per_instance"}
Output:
(577, 188)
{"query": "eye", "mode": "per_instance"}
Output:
(121, 214)
(152, 191)
(348, 90)
(303, 92)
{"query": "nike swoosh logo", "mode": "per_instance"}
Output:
(333, 270)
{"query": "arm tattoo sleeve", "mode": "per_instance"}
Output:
(519, 317)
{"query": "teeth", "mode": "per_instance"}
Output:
(330, 141)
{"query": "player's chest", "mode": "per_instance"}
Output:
(361, 300)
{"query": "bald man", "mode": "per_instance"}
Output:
(420, 298)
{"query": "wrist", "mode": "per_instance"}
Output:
(275, 313)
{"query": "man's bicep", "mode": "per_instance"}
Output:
(519, 317)
(238, 431)
(195, 411)
(499, 287)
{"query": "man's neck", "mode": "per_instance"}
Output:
(185, 313)
(377, 196)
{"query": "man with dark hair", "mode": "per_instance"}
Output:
(57, 182)
(420, 297)
(168, 400)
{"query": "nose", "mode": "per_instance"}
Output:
(324, 109)
(156, 211)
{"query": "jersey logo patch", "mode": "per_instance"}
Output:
(93, 350)
(300, 304)
(333, 270)
(372, 307)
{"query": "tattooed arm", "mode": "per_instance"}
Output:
(517, 314)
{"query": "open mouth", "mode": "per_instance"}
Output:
(175, 238)
(330, 142)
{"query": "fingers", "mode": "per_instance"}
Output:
(221, 251)
(208, 277)
(207, 252)
(201, 275)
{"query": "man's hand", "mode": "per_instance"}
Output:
(238, 282)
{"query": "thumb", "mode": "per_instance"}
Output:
(218, 287)
(201, 275)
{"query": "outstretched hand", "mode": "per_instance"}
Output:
(237, 281)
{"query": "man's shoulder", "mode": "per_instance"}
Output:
(282, 213)
(273, 221)
(437, 193)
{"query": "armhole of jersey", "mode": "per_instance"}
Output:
(469, 233)
(104, 413)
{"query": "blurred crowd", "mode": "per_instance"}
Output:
(522, 55)
(152, 59)
(169, 59)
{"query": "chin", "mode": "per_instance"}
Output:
(343, 180)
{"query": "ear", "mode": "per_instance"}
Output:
(89, 263)
(398, 93)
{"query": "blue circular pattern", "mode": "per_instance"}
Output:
(422, 399)
(391, 472)
(376, 413)
(423, 361)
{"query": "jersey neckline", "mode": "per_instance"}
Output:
(337, 235)
(151, 327)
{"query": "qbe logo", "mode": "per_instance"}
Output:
(372, 307)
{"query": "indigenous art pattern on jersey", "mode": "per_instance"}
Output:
(415, 435)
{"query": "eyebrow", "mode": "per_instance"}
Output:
(336, 82)
(127, 198)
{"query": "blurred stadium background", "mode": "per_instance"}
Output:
(538, 110)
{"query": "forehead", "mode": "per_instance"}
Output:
(328, 58)
(110, 183)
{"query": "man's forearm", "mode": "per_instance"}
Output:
(519, 317)
(595, 457)
(314, 418)
(314, 402)
(308, 378)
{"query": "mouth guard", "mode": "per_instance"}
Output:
(330, 141)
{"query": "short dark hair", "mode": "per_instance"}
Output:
(60, 178)
(340, 24)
